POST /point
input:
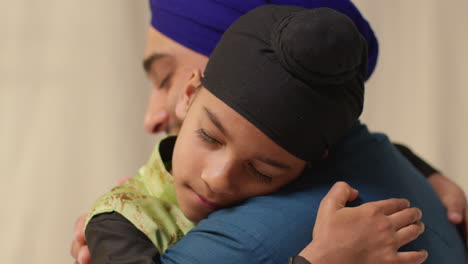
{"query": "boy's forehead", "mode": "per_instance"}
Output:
(235, 127)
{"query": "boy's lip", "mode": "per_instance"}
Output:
(204, 202)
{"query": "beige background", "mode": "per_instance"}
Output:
(72, 98)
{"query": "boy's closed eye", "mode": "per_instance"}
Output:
(205, 137)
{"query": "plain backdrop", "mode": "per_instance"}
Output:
(73, 95)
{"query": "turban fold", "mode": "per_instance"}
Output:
(200, 24)
(296, 74)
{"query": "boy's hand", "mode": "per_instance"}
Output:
(453, 198)
(367, 234)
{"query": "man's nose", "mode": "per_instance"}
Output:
(219, 177)
(155, 122)
(157, 116)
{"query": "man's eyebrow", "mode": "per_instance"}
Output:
(149, 61)
(215, 120)
(274, 163)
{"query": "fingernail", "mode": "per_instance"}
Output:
(425, 256)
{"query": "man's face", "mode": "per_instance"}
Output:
(221, 159)
(168, 66)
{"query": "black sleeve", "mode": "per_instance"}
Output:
(426, 169)
(112, 239)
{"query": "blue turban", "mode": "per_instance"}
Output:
(199, 24)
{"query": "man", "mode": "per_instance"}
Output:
(169, 65)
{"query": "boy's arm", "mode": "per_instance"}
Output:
(113, 239)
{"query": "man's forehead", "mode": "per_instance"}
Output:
(155, 42)
(158, 43)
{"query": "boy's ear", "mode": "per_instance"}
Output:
(187, 94)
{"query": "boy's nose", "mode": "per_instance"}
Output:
(219, 178)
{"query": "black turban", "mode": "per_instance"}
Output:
(296, 74)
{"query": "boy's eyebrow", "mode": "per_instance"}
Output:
(149, 61)
(274, 163)
(215, 120)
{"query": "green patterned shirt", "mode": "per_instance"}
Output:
(148, 200)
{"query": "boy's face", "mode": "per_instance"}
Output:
(221, 159)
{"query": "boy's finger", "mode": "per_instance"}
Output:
(405, 217)
(391, 206)
(412, 257)
(337, 197)
(409, 233)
